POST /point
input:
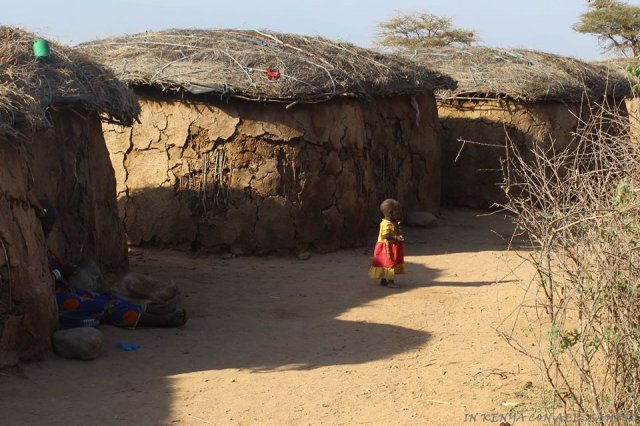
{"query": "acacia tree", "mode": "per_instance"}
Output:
(615, 23)
(414, 30)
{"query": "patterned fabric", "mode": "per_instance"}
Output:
(115, 310)
(388, 254)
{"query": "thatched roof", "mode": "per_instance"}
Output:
(28, 88)
(235, 63)
(617, 65)
(520, 74)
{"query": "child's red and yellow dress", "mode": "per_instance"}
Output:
(388, 255)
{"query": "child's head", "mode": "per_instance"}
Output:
(390, 208)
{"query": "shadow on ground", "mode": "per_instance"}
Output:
(465, 231)
(262, 314)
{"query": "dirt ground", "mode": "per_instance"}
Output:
(277, 340)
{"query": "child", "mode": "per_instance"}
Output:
(388, 254)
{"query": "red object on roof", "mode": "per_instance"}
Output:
(272, 74)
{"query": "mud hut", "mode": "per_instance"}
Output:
(527, 96)
(618, 68)
(254, 141)
(51, 145)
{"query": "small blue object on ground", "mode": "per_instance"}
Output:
(127, 346)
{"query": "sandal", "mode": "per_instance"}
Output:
(393, 284)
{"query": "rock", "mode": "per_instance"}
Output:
(137, 286)
(304, 255)
(88, 276)
(78, 343)
(421, 219)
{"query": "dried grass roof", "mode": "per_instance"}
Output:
(234, 63)
(29, 87)
(618, 65)
(520, 74)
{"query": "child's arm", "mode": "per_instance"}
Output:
(391, 233)
(59, 269)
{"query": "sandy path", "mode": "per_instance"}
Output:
(275, 340)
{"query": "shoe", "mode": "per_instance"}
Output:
(393, 284)
(178, 318)
(173, 319)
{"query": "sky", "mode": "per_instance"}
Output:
(533, 24)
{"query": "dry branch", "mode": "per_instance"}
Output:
(581, 208)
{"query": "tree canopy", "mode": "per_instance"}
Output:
(615, 23)
(413, 30)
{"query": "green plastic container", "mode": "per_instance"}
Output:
(41, 50)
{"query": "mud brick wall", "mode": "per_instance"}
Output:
(27, 305)
(257, 177)
(69, 164)
(471, 174)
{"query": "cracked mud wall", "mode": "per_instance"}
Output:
(69, 164)
(471, 173)
(27, 305)
(257, 178)
(404, 145)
